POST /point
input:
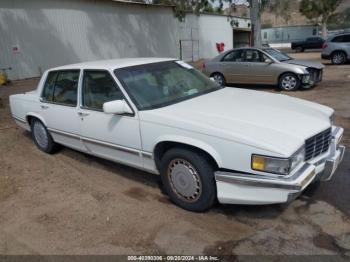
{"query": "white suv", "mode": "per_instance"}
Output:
(337, 49)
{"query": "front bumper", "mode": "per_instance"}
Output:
(238, 188)
(315, 76)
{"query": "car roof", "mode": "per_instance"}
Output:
(112, 64)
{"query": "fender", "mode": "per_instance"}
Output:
(191, 142)
(37, 116)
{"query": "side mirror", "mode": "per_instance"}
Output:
(118, 107)
(268, 61)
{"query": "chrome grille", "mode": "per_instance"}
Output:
(318, 144)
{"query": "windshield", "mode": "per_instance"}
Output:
(278, 55)
(160, 84)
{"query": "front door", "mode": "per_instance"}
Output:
(111, 136)
(58, 106)
(257, 71)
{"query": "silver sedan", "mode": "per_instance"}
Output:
(266, 66)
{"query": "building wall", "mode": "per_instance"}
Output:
(288, 34)
(50, 33)
(213, 29)
(217, 28)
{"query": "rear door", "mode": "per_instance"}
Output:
(342, 42)
(347, 44)
(233, 67)
(58, 106)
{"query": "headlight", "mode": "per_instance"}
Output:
(306, 78)
(331, 119)
(297, 158)
(300, 71)
(281, 166)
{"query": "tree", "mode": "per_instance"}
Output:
(256, 6)
(197, 6)
(255, 17)
(183, 6)
(281, 8)
(340, 20)
(320, 11)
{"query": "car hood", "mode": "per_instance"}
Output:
(273, 122)
(306, 63)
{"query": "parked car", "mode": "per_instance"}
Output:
(337, 49)
(263, 66)
(308, 43)
(207, 142)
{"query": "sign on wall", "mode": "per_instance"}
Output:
(15, 49)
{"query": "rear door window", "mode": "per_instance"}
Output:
(234, 56)
(347, 38)
(66, 87)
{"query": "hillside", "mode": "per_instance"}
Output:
(296, 18)
(270, 19)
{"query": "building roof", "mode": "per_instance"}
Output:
(112, 64)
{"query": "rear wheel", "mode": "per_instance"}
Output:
(42, 137)
(300, 49)
(338, 58)
(219, 78)
(289, 82)
(188, 179)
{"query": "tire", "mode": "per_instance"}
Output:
(299, 49)
(338, 58)
(42, 137)
(219, 79)
(188, 179)
(289, 82)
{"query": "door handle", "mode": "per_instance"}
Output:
(44, 106)
(83, 114)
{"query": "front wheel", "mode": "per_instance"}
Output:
(188, 179)
(289, 82)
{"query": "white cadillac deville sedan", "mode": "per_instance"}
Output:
(207, 142)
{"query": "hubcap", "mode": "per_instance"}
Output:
(218, 79)
(289, 82)
(184, 180)
(40, 135)
(338, 58)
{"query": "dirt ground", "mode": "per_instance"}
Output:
(72, 203)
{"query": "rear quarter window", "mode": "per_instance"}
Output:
(47, 94)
